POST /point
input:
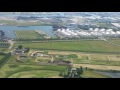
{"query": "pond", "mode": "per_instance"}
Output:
(9, 30)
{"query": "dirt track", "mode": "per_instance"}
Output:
(11, 44)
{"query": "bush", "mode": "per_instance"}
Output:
(72, 56)
(13, 66)
(61, 56)
(45, 52)
(20, 47)
(61, 74)
(2, 53)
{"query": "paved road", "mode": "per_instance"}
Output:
(111, 42)
(11, 43)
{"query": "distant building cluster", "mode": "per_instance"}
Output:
(2, 35)
(116, 24)
(91, 33)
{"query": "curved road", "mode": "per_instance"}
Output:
(111, 42)
(11, 43)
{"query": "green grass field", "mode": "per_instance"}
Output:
(81, 46)
(35, 74)
(117, 41)
(21, 70)
(96, 62)
(12, 69)
(4, 50)
(9, 22)
(36, 71)
(24, 23)
(15, 23)
(28, 34)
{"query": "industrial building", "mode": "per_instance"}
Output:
(2, 34)
(3, 37)
(91, 33)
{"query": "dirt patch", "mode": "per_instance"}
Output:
(103, 67)
(55, 77)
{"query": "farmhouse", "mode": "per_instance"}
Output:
(20, 51)
(23, 56)
(73, 69)
(39, 54)
(3, 36)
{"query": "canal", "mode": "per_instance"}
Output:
(110, 74)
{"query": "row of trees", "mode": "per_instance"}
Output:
(21, 47)
(71, 73)
(3, 40)
(4, 45)
(56, 39)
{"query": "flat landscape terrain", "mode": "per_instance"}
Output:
(90, 74)
(33, 71)
(59, 45)
(15, 23)
(1, 56)
(36, 71)
(91, 54)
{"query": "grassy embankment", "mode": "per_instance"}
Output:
(28, 34)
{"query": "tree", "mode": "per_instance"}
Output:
(79, 71)
(20, 47)
(27, 49)
(45, 52)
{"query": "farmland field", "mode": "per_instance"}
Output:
(22, 70)
(96, 62)
(27, 71)
(28, 34)
(95, 54)
(59, 45)
(98, 67)
(91, 74)
(4, 50)
(15, 23)
(81, 46)
(34, 74)
(92, 58)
